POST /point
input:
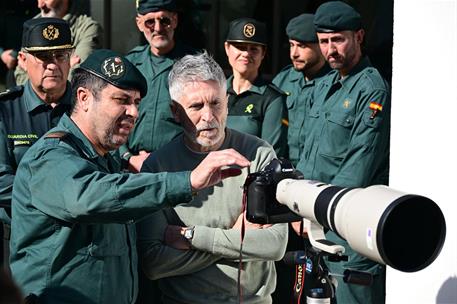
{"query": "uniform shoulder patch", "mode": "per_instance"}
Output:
(11, 93)
(56, 134)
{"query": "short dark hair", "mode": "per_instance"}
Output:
(85, 79)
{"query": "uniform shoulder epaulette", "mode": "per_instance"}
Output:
(276, 89)
(286, 68)
(57, 134)
(11, 93)
(137, 49)
(375, 78)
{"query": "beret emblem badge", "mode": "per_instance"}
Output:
(113, 67)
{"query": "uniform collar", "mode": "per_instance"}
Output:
(66, 124)
(323, 71)
(176, 53)
(32, 101)
(70, 18)
(258, 86)
(351, 79)
(295, 75)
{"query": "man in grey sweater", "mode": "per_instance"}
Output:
(193, 248)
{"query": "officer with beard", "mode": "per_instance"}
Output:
(299, 79)
(348, 140)
(73, 233)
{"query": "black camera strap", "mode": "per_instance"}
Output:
(247, 182)
(299, 278)
(299, 284)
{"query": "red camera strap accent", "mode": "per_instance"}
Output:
(299, 284)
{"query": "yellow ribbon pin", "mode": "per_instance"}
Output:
(249, 108)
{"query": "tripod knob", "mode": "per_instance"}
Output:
(320, 291)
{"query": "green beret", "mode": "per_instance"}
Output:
(43, 34)
(336, 16)
(301, 28)
(146, 6)
(247, 30)
(115, 69)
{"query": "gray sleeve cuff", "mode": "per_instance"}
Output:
(203, 238)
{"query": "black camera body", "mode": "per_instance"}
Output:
(262, 206)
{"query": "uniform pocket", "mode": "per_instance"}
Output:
(290, 102)
(336, 134)
(106, 240)
(314, 112)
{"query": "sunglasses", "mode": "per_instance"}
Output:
(164, 21)
(49, 56)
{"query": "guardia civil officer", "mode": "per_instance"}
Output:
(73, 234)
(157, 20)
(255, 106)
(348, 142)
(299, 79)
(27, 112)
(87, 34)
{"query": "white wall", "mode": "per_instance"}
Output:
(424, 134)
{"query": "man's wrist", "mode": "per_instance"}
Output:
(188, 233)
(126, 156)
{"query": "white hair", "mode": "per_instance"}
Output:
(194, 68)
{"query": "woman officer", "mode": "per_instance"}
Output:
(255, 106)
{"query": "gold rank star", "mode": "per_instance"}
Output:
(346, 103)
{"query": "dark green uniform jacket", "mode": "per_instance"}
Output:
(73, 238)
(155, 125)
(260, 111)
(24, 118)
(298, 91)
(348, 146)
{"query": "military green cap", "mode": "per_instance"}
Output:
(43, 34)
(247, 30)
(115, 69)
(336, 16)
(146, 6)
(301, 28)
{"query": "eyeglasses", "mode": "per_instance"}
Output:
(49, 56)
(151, 23)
